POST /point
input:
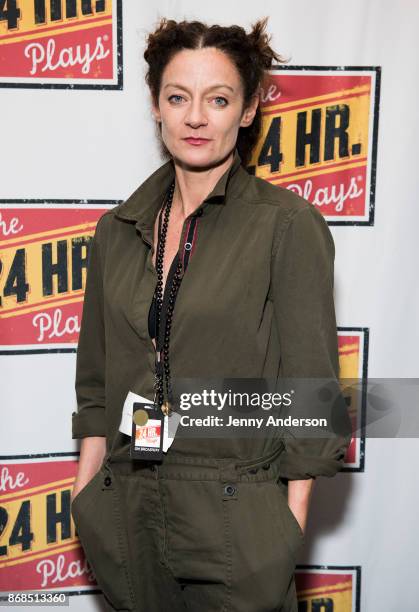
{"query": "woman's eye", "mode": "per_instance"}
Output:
(177, 98)
(220, 101)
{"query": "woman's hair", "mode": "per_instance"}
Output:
(250, 53)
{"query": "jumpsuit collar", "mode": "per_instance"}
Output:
(143, 205)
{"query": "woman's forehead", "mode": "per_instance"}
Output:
(208, 64)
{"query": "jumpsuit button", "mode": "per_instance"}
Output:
(266, 466)
(107, 481)
(229, 490)
(253, 471)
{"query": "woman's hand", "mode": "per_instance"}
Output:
(75, 491)
(299, 493)
(92, 453)
(78, 486)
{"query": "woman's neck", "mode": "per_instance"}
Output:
(193, 186)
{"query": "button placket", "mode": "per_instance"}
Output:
(228, 478)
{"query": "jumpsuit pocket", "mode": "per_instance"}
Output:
(284, 517)
(82, 492)
(284, 495)
(97, 516)
(197, 532)
(264, 554)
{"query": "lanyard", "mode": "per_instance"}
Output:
(163, 330)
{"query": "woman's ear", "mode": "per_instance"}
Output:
(250, 112)
(155, 111)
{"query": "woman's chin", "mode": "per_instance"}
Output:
(200, 158)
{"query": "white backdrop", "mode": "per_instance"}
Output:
(105, 148)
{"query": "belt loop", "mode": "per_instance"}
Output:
(228, 471)
(107, 460)
(107, 478)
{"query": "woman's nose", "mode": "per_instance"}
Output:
(195, 115)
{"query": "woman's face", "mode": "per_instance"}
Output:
(201, 98)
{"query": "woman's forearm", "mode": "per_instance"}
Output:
(92, 452)
(299, 493)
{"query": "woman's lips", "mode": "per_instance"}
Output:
(196, 141)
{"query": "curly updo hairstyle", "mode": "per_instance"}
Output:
(250, 53)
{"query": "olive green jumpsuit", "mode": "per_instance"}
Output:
(208, 529)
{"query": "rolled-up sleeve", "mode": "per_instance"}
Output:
(303, 281)
(89, 419)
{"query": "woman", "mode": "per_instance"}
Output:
(216, 524)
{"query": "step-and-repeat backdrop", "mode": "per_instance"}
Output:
(77, 138)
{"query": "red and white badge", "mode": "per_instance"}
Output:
(170, 423)
(147, 432)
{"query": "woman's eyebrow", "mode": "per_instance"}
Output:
(216, 86)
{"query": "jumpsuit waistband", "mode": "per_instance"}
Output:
(185, 467)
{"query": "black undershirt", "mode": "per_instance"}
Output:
(152, 319)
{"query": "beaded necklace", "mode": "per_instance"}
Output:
(162, 373)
